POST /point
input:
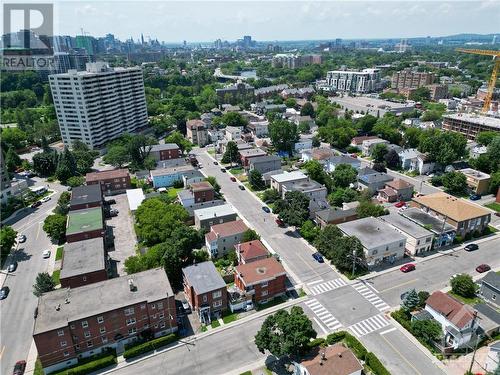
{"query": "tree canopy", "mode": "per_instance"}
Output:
(283, 135)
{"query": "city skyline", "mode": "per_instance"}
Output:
(203, 21)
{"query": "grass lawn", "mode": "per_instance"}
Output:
(172, 192)
(38, 367)
(59, 252)
(274, 302)
(237, 170)
(468, 301)
(493, 206)
(211, 152)
(55, 276)
(246, 373)
(215, 324)
(230, 318)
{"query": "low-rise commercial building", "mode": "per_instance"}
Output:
(83, 262)
(86, 197)
(477, 181)
(470, 124)
(335, 215)
(204, 218)
(443, 232)
(381, 242)
(223, 237)
(165, 151)
(80, 322)
(205, 291)
(265, 164)
(85, 224)
(371, 106)
(111, 182)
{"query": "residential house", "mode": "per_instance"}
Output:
(418, 239)
(278, 180)
(250, 153)
(368, 145)
(320, 153)
(477, 181)
(81, 322)
(250, 251)
(259, 129)
(204, 218)
(299, 119)
(232, 133)
(192, 177)
(396, 190)
(302, 92)
(373, 182)
(265, 92)
(263, 279)
(165, 151)
(334, 161)
(381, 242)
(240, 143)
(166, 177)
(302, 144)
(265, 164)
(490, 288)
(331, 360)
(457, 319)
(196, 132)
(86, 196)
(111, 182)
(135, 197)
(85, 224)
(443, 232)
(202, 191)
(313, 190)
(83, 262)
(464, 216)
(170, 163)
(190, 207)
(223, 237)
(335, 215)
(414, 161)
(477, 151)
(358, 141)
(215, 135)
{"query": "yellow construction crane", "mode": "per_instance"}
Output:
(494, 73)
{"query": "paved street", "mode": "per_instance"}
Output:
(17, 310)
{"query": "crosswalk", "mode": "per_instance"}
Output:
(369, 295)
(323, 314)
(327, 286)
(369, 325)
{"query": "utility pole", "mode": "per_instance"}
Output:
(353, 262)
(477, 342)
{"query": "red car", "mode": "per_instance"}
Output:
(19, 368)
(400, 204)
(483, 268)
(407, 267)
(233, 179)
(280, 222)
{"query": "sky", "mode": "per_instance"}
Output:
(195, 21)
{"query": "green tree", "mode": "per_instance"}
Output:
(249, 235)
(7, 240)
(344, 175)
(443, 147)
(304, 127)
(379, 167)
(75, 181)
(43, 284)
(285, 333)
(296, 208)
(14, 137)
(494, 154)
(429, 330)
(270, 195)
(307, 110)
(213, 181)
(345, 248)
(45, 163)
(411, 137)
(66, 167)
(431, 115)
(392, 159)
(234, 119)
(62, 207)
(455, 182)
(411, 300)
(315, 171)
(340, 195)
(379, 151)
(12, 160)
(316, 141)
(367, 209)
(55, 227)
(484, 138)
(463, 285)
(326, 239)
(290, 102)
(422, 298)
(283, 135)
(117, 156)
(494, 182)
(366, 123)
(421, 94)
(255, 179)
(232, 154)
(309, 230)
(177, 138)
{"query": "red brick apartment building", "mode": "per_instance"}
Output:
(205, 291)
(250, 251)
(112, 182)
(165, 151)
(202, 191)
(86, 197)
(263, 279)
(81, 322)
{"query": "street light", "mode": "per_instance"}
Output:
(353, 263)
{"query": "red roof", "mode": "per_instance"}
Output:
(252, 249)
(196, 123)
(259, 271)
(454, 311)
(106, 175)
(398, 184)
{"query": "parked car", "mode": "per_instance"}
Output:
(46, 254)
(113, 212)
(233, 179)
(407, 267)
(400, 204)
(266, 209)
(475, 197)
(318, 257)
(215, 163)
(45, 199)
(36, 204)
(223, 170)
(185, 306)
(109, 201)
(12, 267)
(19, 368)
(280, 222)
(69, 188)
(249, 306)
(21, 238)
(471, 247)
(4, 292)
(483, 268)
(241, 187)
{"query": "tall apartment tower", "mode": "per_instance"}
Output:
(99, 104)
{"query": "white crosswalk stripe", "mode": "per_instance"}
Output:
(369, 325)
(327, 286)
(323, 314)
(370, 296)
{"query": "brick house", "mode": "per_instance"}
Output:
(205, 291)
(112, 182)
(83, 262)
(81, 322)
(247, 155)
(202, 191)
(222, 237)
(86, 197)
(85, 224)
(250, 251)
(165, 151)
(396, 190)
(264, 279)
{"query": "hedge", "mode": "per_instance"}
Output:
(316, 342)
(356, 346)
(374, 363)
(335, 337)
(89, 367)
(149, 346)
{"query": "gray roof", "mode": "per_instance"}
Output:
(170, 163)
(493, 279)
(190, 209)
(343, 159)
(192, 173)
(371, 232)
(305, 185)
(366, 170)
(486, 311)
(165, 146)
(97, 298)
(264, 159)
(423, 218)
(331, 214)
(269, 89)
(374, 178)
(406, 225)
(83, 257)
(185, 194)
(169, 171)
(86, 194)
(203, 277)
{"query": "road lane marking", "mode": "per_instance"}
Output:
(401, 355)
(327, 286)
(315, 282)
(369, 325)
(323, 314)
(1, 352)
(387, 331)
(399, 285)
(320, 326)
(371, 286)
(370, 296)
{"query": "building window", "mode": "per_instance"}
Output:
(160, 305)
(161, 315)
(130, 321)
(143, 306)
(428, 239)
(63, 344)
(129, 311)
(72, 326)
(131, 331)
(205, 298)
(401, 244)
(102, 329)
(217, 294)
(60, 332)
(104, 339)
(66, 353)
(84, 278)
(146, 326)
(217, 303)
(375, 252)
(89, 344)
(264, 284)
(162, 325)
(77, 347)
(493, 297)
(153, 306)
(100, 319)
(264, 293)
(85, 324)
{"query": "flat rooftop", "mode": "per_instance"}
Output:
(288, 176)
(492, 122)
(405, 225)
(363, 103)
(106, 175)
(135, 198)
(424, 219)
(164, 147)
(85, 220)
(371, 232)
(85, 195)
(305, 185)
(216, 211)
(83, 257)
(89, 300)
(203, 277)
(475, 174)
(171, 170)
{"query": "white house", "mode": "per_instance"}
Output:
(233, 133)
(278, 180)
(368, 145)
(303, 144)
(415, 161)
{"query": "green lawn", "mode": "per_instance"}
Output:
(493, 206)
(38, 367)
(215, 324)
(203, 328)
(59, 252)
(84, 220)
(55, 276)
(468, 301)
(211, 152)
(230, 318)
(172, 192)
(236, 171)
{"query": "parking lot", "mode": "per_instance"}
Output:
(122, 227)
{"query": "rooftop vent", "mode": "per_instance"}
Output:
(58, 307)
(131, 285)
(261, 270)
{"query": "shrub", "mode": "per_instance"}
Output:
(356, 346)
(149, 346)
(89, 366)
(316, 342)
(375, 364)
(335, 337)
(401, 316)
(178, 184)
